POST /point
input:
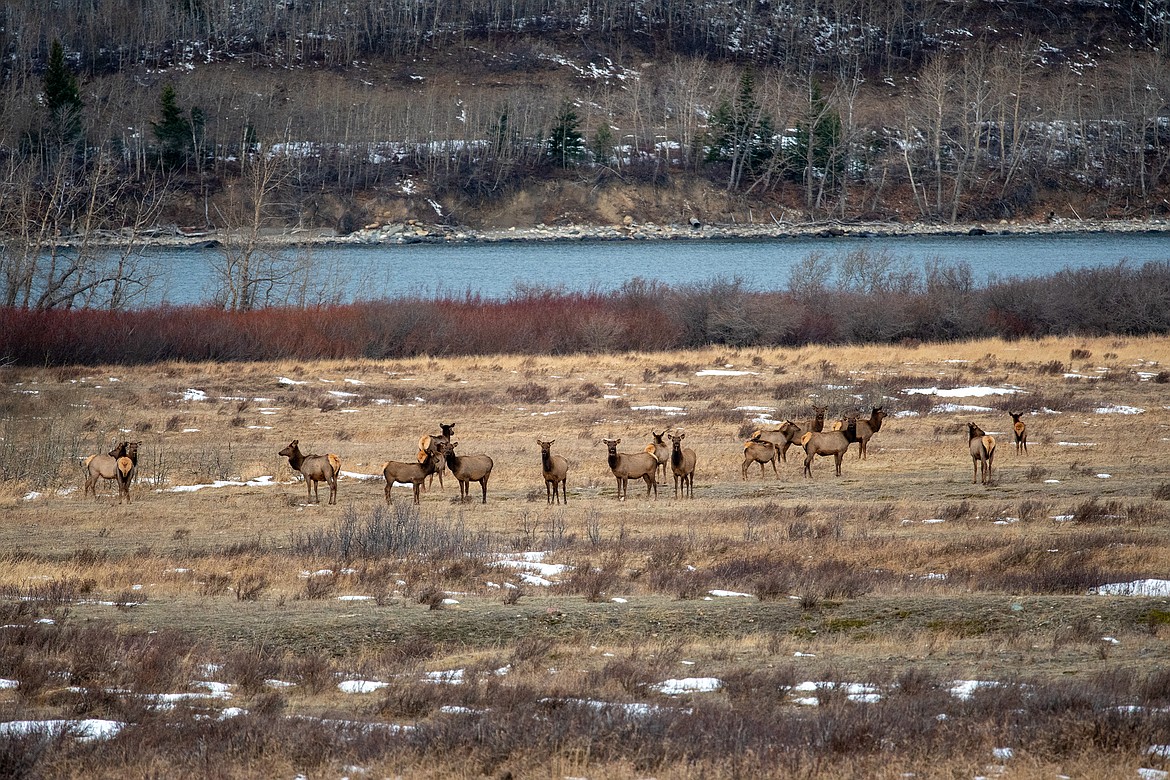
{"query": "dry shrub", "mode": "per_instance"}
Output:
(249, 586)
(411, 699)
(432, 597)
(320, 586)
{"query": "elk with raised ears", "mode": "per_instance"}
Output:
(468, 469)
(1020, 431)
(315, 469)
(556, 470)
(682, 464)
(982, 449)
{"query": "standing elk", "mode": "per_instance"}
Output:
(982, 449)
(660, 450)
(866, 429)
(782, 438)
(468, 469)
(127, 470)
(556, 472)
(315, 469)
(424, 445)
(635, 465)
(759, 451)
(818, 422)
(835, 443)
(102, 467)
(1021, 432)
(413, 473)
(682, 464)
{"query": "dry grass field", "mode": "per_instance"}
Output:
(846, 621)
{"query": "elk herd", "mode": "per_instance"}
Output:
(436, 454)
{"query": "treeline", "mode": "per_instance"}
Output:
(865, 302)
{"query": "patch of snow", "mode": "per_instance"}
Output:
(361, 686)
(1149, 587)
(32, 496)
(976, 391)
(355, 598)
(1118, 409)
(7, 685)
(191, 394)
(957, 408)
(724, 372)
(677, 687)
(731, 594)
(257, 482)
(284, 380)
(669, 411)
(88, 729)
(450, 677)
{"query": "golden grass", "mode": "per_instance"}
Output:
(190, 557)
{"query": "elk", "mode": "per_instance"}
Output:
(982, 449)
(818, 422)
(759, 451)
(636, 465)
(1021, 432)
(556, 471)
(413, 473)
(102, 467)
(682, 463)
(468, 469)
(315, 469)
(866, 429)
(127, 470)
(424, 445)
(782, 438)
(659, 449)
(835, 443)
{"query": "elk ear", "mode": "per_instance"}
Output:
(551, 443)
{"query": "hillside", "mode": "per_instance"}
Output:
(259, 116)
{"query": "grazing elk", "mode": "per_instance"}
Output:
(315, 469)
(1021, 432)
(468, 469)
(866, 429)
(102, 467)
(413, 473)
(759, 451)
(660, 450)
(982, 449)
(682, 464)
(782, 438)
(635, 465)
(424, 445)
(835, 443)
(127, 470)
(556, 472)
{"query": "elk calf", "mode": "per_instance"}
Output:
(556, 471)
(315, 469)
(1021, 432)
(682, 463)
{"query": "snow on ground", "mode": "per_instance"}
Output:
(361, 686)
(1150, 587)
(678, 687)
(724, 372)
(533, 569)
(1117, 409)
(669, 411)
(257, 482)
(976, 391)
(192, 394)
(723, 594)
(87, 729)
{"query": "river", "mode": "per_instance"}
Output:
(497, 270)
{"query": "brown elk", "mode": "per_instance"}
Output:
(982, 449)
(468, 469)
(632, 465)
(660, 450)
(413, 473)
(315, 469)
(127, 470)
(102, 467)
(682, 464)
(759, 451)
(556, 472)
(866, 429)
(424, 445)
(835, 443)
(782, 438)
(1021, 432)
(818, 422)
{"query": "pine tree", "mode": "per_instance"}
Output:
(62, 97)
(175, 133)
(566, 145)
(743, 134)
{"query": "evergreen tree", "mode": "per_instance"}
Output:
(816, 141)
(743, 133)
(602, 145)
(175, 132)
(62, 98)
(566, 145)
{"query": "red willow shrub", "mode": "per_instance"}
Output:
(640, 316)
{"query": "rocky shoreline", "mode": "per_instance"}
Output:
(413, 232)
